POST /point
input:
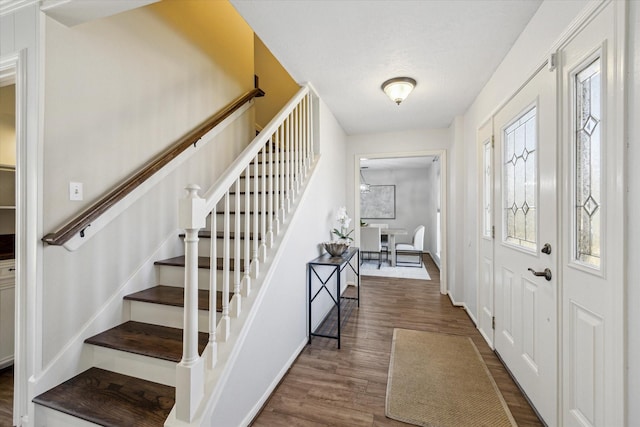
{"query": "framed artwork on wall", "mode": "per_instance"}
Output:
(379, 203)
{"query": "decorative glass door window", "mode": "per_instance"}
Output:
(587, 197)
(520, 176)
(487, 188)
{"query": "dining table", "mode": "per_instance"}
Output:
(392, 233)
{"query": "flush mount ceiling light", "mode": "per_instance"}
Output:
(398, 88)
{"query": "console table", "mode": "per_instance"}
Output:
(333, 266)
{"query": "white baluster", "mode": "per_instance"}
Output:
(311, 141)
(225, 320)
(300, 161)
(212, 356)
(237, 263)
(255, 262)
(263, 207)
(269, 238)
(307, 141)
(276, 187)
(190, 370)
(303, 125)
(292, 156)
(297, 145)
(286, 156)
(246, 285)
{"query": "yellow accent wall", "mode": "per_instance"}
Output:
(217, 30)
(274, 80)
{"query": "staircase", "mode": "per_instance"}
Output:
(165, 364)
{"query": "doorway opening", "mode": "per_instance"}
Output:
(8, 149)
(410, 191)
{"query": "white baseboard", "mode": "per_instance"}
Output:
(463, 305)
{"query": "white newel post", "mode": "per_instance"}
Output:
(190, 370)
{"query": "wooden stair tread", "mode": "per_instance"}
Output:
(203, 262)
(110, 399)
(174, 296)
(160, 342)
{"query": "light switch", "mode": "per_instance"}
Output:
(75, 191)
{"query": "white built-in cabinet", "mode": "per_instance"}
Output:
(7, 311)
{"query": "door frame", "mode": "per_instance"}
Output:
(615, 171)
(485, 134)
(442, 153)
(13, 69)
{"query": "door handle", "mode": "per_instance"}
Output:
(546, 273)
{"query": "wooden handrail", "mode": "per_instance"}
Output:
(84, 218)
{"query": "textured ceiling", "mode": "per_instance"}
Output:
(346, 49)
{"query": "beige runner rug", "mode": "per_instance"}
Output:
(441, 380)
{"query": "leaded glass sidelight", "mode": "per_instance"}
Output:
(486, 188)
(520, 181)
(587, 148)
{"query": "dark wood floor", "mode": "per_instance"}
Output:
(6, 397)
(346, 387)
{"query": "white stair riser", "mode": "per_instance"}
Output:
(47, 417)
(281, 184)
(174, 276)
(232, 219)
(268, 170)
(165, 315)
(135, 365)
(204, 247)
(232, 202)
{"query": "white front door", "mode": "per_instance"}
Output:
(526, 230)
(593, 237)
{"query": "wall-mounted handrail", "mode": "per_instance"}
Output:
(81, 221)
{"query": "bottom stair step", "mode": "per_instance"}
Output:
(109, 399)
(146, 339)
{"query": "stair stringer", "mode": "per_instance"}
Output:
(231, 356)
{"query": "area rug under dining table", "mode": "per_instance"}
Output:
(370, 268)
(441, 380)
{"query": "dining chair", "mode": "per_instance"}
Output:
(384, 239)
(415, 248)
(370, 242)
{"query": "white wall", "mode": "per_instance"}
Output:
(633, 231)
(528, 52)
(279, 330)
(434, 202)
(119, 90)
